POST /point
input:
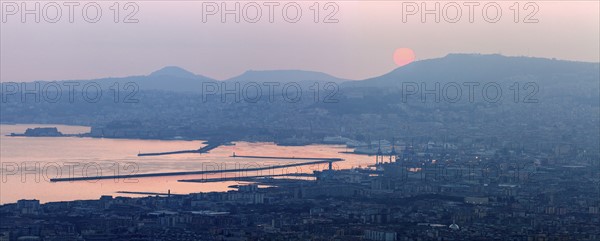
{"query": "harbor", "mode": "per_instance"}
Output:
(313, 161)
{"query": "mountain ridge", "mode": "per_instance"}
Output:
(452, 67)
(288, 75)
(476, 68)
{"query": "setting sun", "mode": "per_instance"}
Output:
(404, 56)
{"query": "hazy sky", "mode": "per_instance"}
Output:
(359, 45)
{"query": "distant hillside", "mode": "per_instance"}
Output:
(537, 79)
(553, 75)
(166, 79)
(174, 71)
(481, 68)
(285, 76)
(172, 78)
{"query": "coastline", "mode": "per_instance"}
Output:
(108, 152)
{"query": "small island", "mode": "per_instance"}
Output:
(41, 132)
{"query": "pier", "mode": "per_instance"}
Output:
(325, 159)
(287, 158)
(150, 193)
(163, 174)
(204, 149)
(246, 178)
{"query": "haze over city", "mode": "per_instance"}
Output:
(308, 120)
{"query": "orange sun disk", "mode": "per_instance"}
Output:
(404, 56)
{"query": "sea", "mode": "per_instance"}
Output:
(28, 163)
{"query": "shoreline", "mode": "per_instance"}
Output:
(204, 140)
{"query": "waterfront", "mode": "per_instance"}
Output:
(38, 159)
(441, 194)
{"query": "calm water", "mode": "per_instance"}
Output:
(29, 162)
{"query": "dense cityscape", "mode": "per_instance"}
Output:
(423, 192)
(516, 169)
(304, 120)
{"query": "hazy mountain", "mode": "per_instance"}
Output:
(530, 78)
(285, 76)
(552, 75)
(481, 68)
(174, 71)
(173, 78)
(169, 78)
(518, 79)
